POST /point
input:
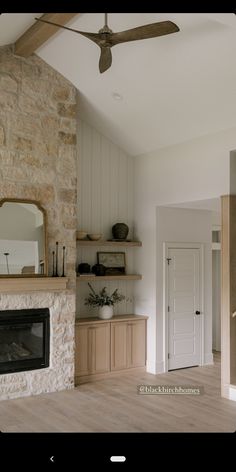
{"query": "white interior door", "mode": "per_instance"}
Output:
(183, 307)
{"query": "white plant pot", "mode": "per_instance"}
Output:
(105, 312)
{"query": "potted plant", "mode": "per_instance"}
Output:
(103, 301)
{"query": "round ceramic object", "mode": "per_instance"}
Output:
(120, 231)
(105, 312)
(83, 268)
(94, 237)
(81, 234)
(99, 269)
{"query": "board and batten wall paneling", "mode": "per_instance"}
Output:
(124, 287)
(105, 183)
(105, 197)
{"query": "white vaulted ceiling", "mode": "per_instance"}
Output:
(12, 25)
(174, 87)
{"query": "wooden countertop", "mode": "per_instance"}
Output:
(115, 318)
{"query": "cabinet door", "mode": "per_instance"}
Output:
(92, 354)
(136, 342)
(99, 342)
(81, 350)
(118, 346)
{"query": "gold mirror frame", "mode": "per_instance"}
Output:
(38, 205)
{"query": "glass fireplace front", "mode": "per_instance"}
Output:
(24, 340)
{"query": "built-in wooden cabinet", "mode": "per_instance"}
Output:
(119, 345)
(92, 349)
(81, 351)
(136, 343)
(128, 344)
(103, 347)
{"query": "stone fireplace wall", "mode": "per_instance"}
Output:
(38, 162)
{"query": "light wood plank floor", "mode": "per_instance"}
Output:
(113, 405)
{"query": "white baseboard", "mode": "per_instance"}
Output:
(160, 367)
(208, 358)
(225, 391)
(229, 391)
(155, 367)
(232, 392)
(151, 367)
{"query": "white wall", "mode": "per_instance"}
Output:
(105, 197)
(194, 170)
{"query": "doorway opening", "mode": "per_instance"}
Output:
(186, 336)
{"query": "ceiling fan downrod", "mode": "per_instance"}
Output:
(105, 29)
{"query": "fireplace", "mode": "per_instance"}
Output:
(24, 340)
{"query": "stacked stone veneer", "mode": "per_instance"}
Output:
(38, 162)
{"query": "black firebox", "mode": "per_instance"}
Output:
(24, 339)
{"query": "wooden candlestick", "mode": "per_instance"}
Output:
(56, 271)
(53, 257)
(63, 262)
(6, 254)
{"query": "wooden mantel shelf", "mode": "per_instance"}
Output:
(32, 284)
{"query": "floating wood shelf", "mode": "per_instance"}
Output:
(32, 284)
(86, 242)
(91, 278)
(115, 318)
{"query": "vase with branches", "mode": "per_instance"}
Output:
(103, 301)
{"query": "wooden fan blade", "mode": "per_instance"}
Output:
(144, 32)
(105, 59)
(93, 36)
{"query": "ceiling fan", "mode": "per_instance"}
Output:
(106, 39)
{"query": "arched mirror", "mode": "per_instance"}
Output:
(23, 250)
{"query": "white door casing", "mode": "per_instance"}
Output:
(184, 305)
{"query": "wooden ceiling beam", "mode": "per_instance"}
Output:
(39, 33)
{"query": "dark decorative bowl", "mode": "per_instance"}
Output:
(120, 231)
(99, 269)
(84, 268)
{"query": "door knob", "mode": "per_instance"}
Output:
(197, 312)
